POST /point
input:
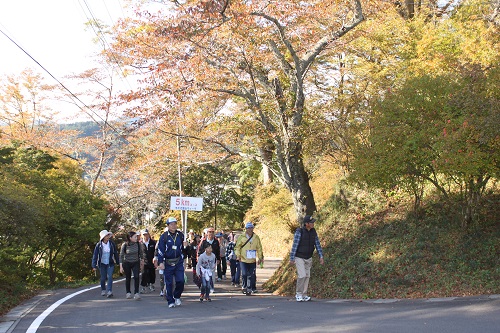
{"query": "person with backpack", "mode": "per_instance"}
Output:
(132, 256)
(104, 258)
(233, 263)
(248, 250)
(305, 240)
(149, 273)
(171, 252)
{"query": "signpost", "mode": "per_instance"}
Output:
(186, 203)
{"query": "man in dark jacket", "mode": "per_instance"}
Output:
(305, 241)
(149, 273)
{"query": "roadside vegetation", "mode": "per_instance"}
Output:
(376, 246)
(379, 118)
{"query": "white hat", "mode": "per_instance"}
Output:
(171, 220)
(104, 233)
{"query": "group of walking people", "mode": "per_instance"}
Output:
(206, 255)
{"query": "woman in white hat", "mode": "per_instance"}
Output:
(105, 257)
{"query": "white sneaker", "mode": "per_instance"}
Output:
(178, 302)
(161, 293)
(212, 291)
(103, 292)
(299, 298)
(128, 296)
(137, 296)
(306, 298)
(109, 294)
(171, 305)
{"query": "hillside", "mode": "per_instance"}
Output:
(394, 253)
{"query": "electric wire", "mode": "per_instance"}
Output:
(67, 89)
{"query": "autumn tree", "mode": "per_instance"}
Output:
(433, 127)
(25, 114)
(241, 71)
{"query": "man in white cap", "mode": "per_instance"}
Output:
(248, 250)
(171, 252)
(305, 241)
(105, 257)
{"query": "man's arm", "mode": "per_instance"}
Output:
(295, 245)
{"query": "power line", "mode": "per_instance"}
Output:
(102, 37)
(65, 88)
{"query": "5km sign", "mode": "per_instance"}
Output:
(186, 203)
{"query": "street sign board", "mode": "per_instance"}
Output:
(186, 203)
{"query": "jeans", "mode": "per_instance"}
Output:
(205, 286)
(107, 274)
(235, 271)
(248, 278)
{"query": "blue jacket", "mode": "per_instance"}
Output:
(171, 246)
(114, 256)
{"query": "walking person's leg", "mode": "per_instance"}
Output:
(179, 282)
(301, 278)
(238, 273)
(168, 280)
(110, 270)
(135, 270)
(224, 267)
(128, 276)
(243, 268)
(307, 268)
(103, 271)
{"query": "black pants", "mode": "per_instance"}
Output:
(148, 276)
(221, 267)
(131, 268)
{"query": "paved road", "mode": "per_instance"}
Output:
(84, 310)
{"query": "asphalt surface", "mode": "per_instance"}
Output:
(84, 310)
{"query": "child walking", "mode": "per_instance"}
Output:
(204, 269)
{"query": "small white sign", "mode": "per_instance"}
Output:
(186, 203)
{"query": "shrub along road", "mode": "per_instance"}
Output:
(84, 310)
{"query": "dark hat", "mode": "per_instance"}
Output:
(309, 219)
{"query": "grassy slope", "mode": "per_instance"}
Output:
(383, 251)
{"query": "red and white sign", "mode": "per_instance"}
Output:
(186, 203)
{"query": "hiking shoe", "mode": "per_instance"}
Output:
(128, 296)
(137, 296)
(306, 298)
(109, 294)
(171, 305)
(178, 302)
(103, 292)
(299, 298)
